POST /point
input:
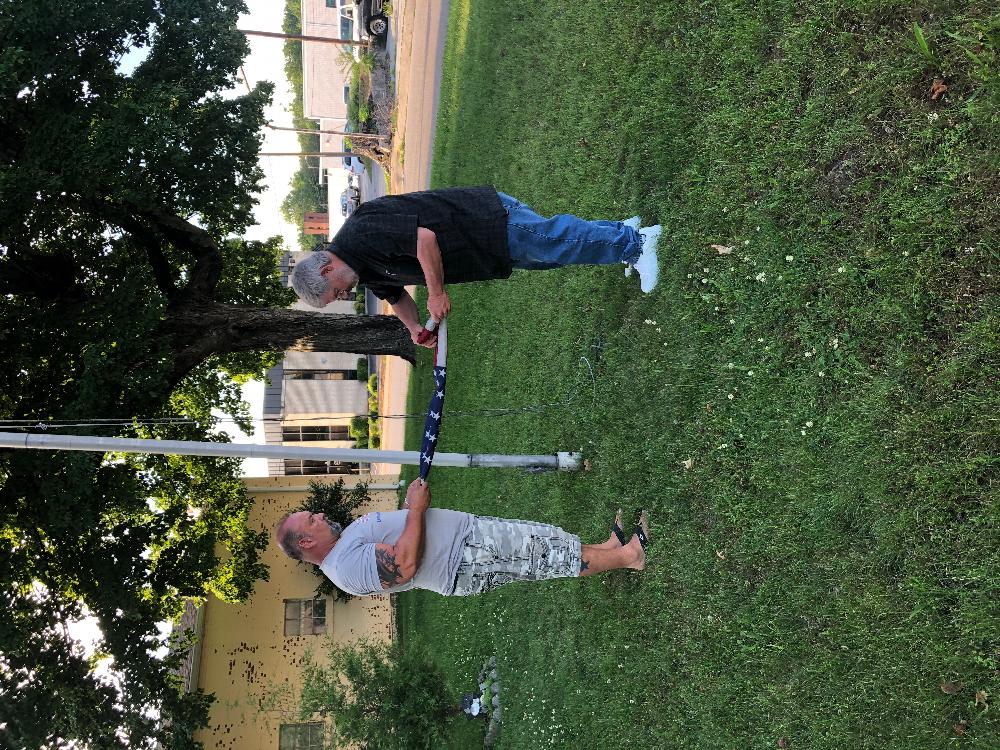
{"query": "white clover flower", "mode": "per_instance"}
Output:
(809, 423)
(761, 276)
(750, 373)
(789, 258)
(730, 396)
(821, 373)
(840, 270)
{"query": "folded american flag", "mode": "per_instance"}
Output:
(432, 426)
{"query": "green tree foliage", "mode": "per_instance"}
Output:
(305, 193)
(380, 696)
(126, 294)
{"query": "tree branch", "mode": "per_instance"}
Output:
(154, 253)
(183, 234)
(180, 232)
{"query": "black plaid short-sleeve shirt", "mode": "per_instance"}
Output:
(379, 240)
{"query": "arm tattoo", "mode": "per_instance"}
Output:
(388, 569)
(584, 565)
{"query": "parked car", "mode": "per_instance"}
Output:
(352, 164)
(347, 12)
(372, 17)
(350, 199)
(347, 205)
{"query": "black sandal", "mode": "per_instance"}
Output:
(639, 531)
(616, 529)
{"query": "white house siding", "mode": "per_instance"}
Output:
(321, 361)
(323, 77)
(325, 397)
(333, 144)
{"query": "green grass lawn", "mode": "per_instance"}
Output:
(831, 558)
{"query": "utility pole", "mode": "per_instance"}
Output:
(301, 38)
(347, 133)
(333, 154)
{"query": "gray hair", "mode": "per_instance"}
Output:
(288, 539)
(306, 279)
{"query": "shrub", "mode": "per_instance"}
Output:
(380, 696)
(358, 427)
(363, 368)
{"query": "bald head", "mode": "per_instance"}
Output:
(307, 536)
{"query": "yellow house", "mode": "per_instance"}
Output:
(249, 655)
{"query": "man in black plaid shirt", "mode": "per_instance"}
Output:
(458, 235)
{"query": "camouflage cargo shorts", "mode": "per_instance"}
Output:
(499, 550)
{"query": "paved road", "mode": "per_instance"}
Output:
(416, 45)
(419, 59)
(416, 52)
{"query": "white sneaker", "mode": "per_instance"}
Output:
(647, 266)
(634, 223)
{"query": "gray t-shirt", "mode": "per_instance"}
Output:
(351, 563)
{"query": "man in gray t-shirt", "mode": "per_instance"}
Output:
(452, 553)
(351, 563)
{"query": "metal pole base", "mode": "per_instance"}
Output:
(569, 460)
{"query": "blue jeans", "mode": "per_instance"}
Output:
(537, 243)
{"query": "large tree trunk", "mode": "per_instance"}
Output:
(377, 152)
(199, 329)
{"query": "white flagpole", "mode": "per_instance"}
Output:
(563, 461)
